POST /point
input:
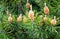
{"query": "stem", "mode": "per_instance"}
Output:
(45, 4)
(54, 17)
(31, 7)
(32, 22)
(27, 1)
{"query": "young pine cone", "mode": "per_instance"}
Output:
(31, 14)
(45, 18)
(46, 9)
(28, 4)
(10, 18)
(19, 19)
(53, 21)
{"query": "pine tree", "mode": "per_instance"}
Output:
(41, 20)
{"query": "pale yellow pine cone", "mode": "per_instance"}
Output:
(45, 18)
(28, 5)
(53, 21)
(19, 19)
(46, 9)
(31, 14)
(10, 18)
